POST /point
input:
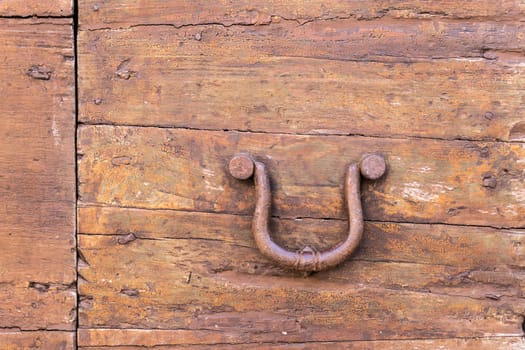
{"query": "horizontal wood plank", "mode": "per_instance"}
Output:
(13, 340)
(459, 182)
(211, 274)
(25, 8)
(116, 14)
(37, 176)
(130, 293)
(469, 261)
(265, 80)
(133, 339)
(37, 305)
(447, 245)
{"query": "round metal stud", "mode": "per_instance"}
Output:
(373, 166)
(241, 167)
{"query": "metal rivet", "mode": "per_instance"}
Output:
(373, 166)
(241, 167)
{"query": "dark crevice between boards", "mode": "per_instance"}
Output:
(335, 134)
(77, 257)
(34, 16)
(84, 205)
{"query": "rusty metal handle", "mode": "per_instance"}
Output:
(371, 166)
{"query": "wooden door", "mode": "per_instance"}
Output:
(169, 91)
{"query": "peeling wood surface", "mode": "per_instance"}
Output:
(312, 79)
(40, 8)
(460, 182)
(212, 273)
(169, 91)
(37, 181)
(121, 14)
(13, 340)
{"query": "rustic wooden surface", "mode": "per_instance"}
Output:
(37, 184)
(166, 256)
(347, 77)
(96, 14)
(49, 340)
(114, 339)
(433, 181)
(40, 8)
(212, 274)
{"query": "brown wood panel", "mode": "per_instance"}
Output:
(201, 272)
(445, 245)
(26, 8)
(37, 176)
(166, 255)
(115, 14)
(98, 339)
(461, 182)
(299, 80)
(12, 340)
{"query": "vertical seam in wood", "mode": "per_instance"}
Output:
(75, 52)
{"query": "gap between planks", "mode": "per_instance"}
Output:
(81, 204)
(249, 131)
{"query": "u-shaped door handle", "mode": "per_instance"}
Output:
(371, 166)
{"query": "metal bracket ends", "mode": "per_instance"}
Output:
(371, 166)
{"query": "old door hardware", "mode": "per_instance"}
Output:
(371, 166)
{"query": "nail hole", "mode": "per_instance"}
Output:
(517, 132)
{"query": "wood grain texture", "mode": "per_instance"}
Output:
(37, 340)
(117, 14)
(212, 274)
(468, 247)
(297, 79)
(99, 339)
(166, 257)
(37, 175)
(41, 8)
(431, 181)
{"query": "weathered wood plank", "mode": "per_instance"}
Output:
(468, 261)
(121, 287)
(115, 14)
(460, 182)
(212, 273)
(132, 339)
(232, 79)
(342, 39)
(37, 305)
(468, 247)
(24, 8)
(37, 340)
(37, 175)
(288, 310)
